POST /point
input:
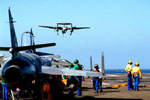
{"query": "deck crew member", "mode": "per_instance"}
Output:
(95, 80)
(4, 91)
(18, 93)
(78, 67)
(136, 72)
(100, 81)
(71, 65)
(128, 69)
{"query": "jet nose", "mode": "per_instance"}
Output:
(12, 74)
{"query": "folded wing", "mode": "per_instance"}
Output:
(67, 71)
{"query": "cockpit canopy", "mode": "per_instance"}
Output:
(27, 39)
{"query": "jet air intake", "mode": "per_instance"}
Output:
(12, 74)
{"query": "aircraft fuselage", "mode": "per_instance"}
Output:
(25, 66)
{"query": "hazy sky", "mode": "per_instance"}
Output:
(119, 28)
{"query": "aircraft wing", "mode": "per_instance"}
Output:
(51, 56)
(51, 27)
(48, 55)
(80, 27)
(3, 58)
(67, 71)
(60, 63)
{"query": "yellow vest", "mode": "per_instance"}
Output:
(136, 71)
(128, 68)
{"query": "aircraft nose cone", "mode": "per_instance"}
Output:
(12, 74)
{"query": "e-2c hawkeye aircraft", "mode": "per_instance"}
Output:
(64, 28)
(25, 66)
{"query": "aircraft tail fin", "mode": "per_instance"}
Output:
(14, 49)
(32, 40)
(14, 42)
(33, 43)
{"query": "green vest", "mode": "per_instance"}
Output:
(77, 67)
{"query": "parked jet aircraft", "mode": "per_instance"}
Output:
(60, 63)
(25, 66)
(64, 29)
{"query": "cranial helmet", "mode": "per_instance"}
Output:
(137, 64)
(96, 66)
(129, 62)
(76, 61)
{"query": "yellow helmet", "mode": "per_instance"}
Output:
(137, 64)
(129, 62)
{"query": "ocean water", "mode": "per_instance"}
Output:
(122, 71)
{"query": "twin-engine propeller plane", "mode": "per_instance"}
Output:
(63, 27)
(25, 67)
